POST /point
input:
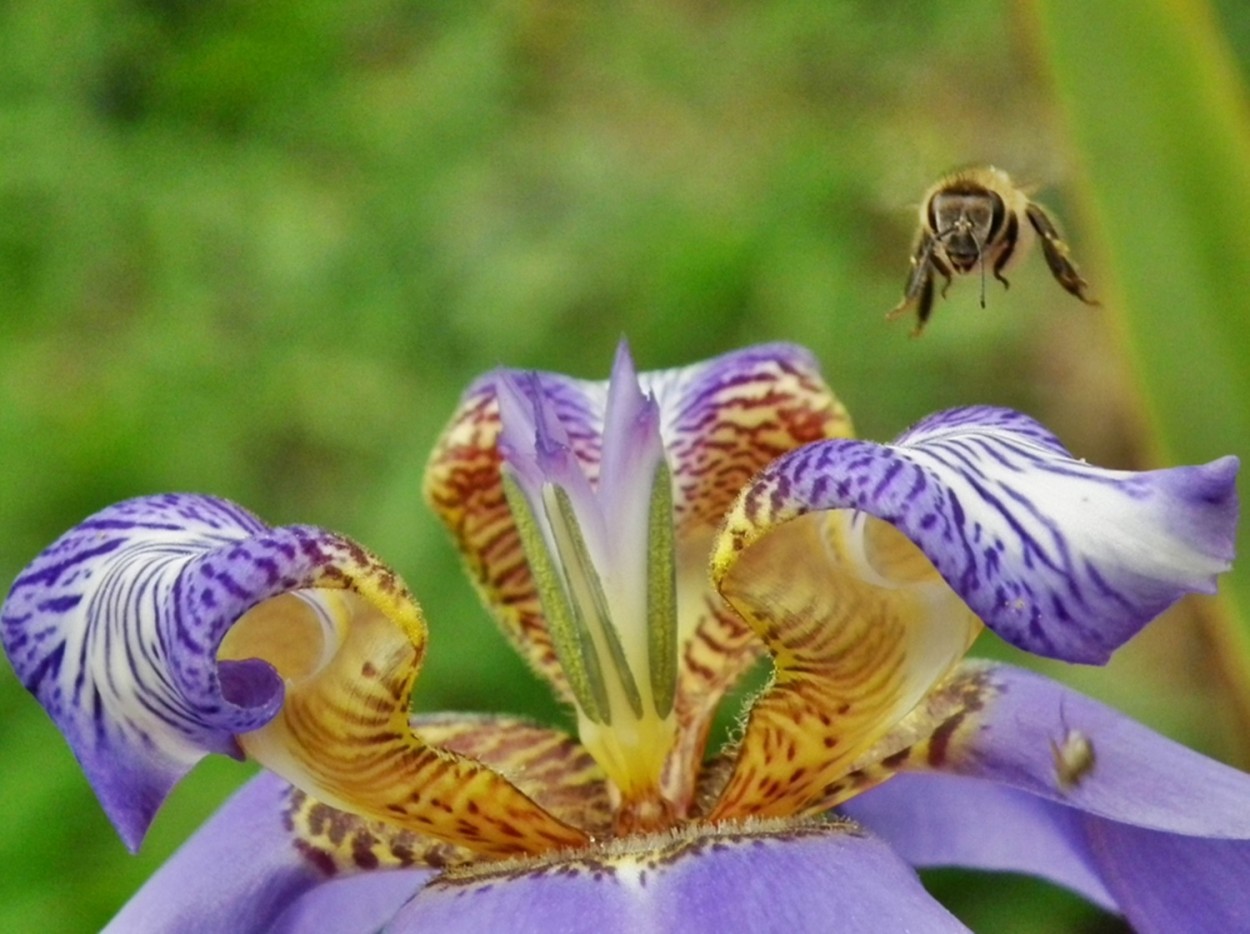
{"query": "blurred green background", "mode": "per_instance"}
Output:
(258, 250)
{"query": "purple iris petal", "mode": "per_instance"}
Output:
(832, 879)
(361, 904)
(115, 628)
(1059, 558)
(947, 820)
(1148, 826)
(631, 451)
(1167, 883)
(242, 872)
(532, 438)
(1137, 776)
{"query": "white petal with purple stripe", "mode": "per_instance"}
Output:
(1058, 557)
(115, 629)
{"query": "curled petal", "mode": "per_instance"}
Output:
(768, 878)
(275, 859)
(1059, 558)
(94, 631)
(168, 627)
(724, 420)
(860, 627)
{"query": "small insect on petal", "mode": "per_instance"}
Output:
(972, 219)
(1074, 758)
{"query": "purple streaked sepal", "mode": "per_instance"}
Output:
(115, 629)
(1058, 557)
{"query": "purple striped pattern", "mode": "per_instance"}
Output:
(1059, 558)
(115, 629)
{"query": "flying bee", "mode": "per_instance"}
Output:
(977, 218)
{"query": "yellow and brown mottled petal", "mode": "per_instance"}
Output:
(723, 421)
(713, 657)
(925, 738)
(337, 842)
(178, 625)
(859, 626)
(342, 733)
(464, 486)
(547, 765)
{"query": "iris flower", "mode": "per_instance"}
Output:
(168, 627)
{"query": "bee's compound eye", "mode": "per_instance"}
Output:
(980, 215)
(944, 212)
(998, 214)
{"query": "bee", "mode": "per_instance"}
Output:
(977, 218)
(1073, 756)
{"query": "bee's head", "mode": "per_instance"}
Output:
(965, 220)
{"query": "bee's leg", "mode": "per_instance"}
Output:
(919, 279)
(1011, 236)
(1056, 252)
(945, 271)
(981, 264)
(924, 307)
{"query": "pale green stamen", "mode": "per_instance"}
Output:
(609, 625)
(590, 606)
(572, 642)
(662, 592)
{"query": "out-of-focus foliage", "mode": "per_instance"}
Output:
(1168, 169)
(257, 249)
